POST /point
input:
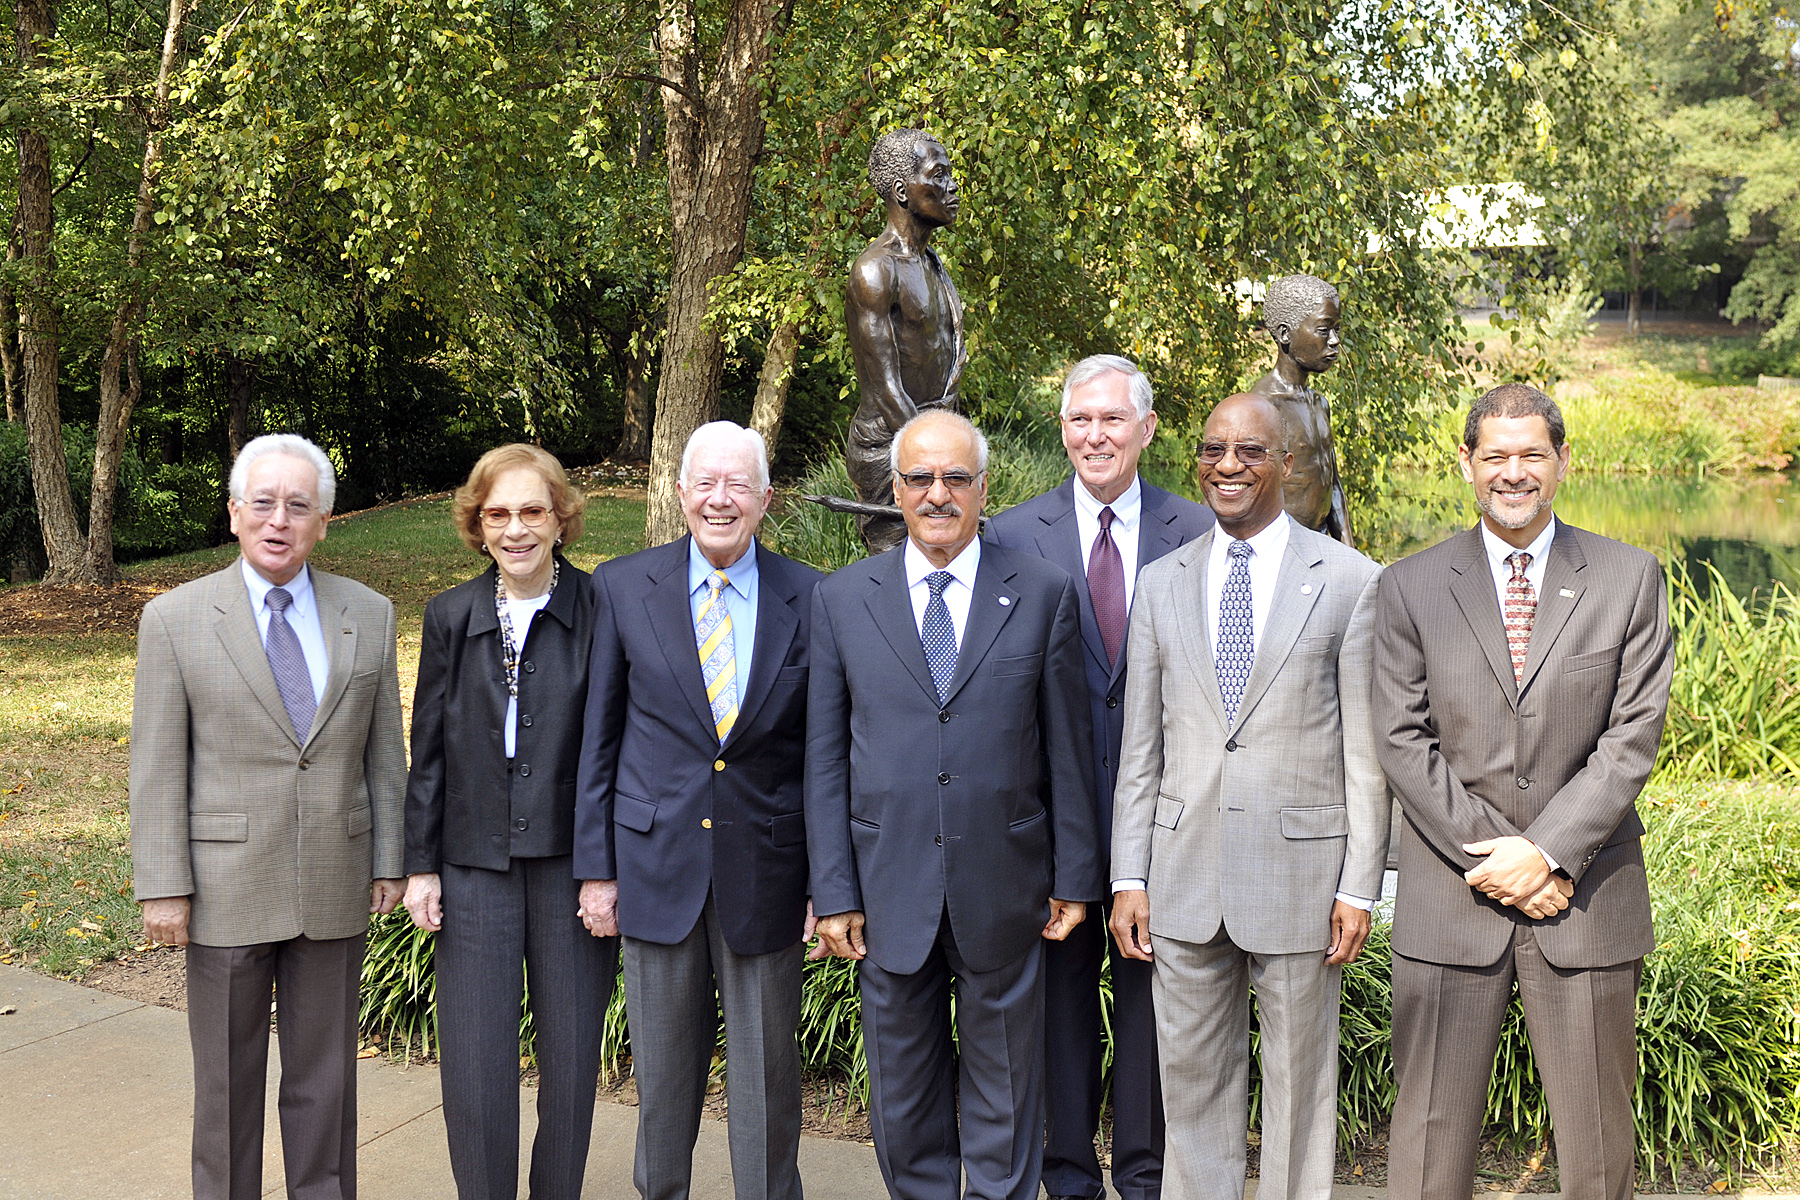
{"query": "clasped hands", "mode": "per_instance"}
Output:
(166, 918)
(1515, 873)
(841, 934)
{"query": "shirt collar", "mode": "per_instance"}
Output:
(741, 574)
(1125, 509)
(299, 587)
(1269, 542)
(963, 566)
(1499, 550)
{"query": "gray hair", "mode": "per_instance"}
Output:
(1099, 365)
(894, 157)
(1509, 401)
(759, 448)
(948, 416)
(293, 445)
(1293, 298)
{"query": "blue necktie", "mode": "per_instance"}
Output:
(939, 635)
(1236, 649)
(288, 662)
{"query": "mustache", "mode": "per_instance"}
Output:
(949, 508)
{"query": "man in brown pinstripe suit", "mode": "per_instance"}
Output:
(267, 781)
(1521, 680)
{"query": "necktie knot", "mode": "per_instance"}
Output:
(1107, 517)
(1238, 550)
(717, 581)
(1519, 561)
(279, 598)
(937, 581)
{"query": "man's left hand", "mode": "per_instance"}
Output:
(1349, 930)
(1065, 915)
(812, 922)
(385, 894)
(1514, 870)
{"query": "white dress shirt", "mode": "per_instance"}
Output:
(957, 596)
(1127, 509)
(520, 613)
(1498, 551)
(302, 618)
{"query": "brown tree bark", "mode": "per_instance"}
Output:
(237, 398)
(634, 441)
(119, 383)
(9, 333)
(63, 545)
(772, 385)
(1634, 308)
(713, 129)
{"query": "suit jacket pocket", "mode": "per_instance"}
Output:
(788, 829)
(1168, 811)
(633, 813)
(218, 827)
(1024, 664)
(1033, 819)
(791, 675)
(1608, 657)
(1315, 645)
(358, 822)
(1329, 822)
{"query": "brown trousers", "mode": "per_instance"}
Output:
(1583, 1031)
(315, 988)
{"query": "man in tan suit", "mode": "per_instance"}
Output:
(1521, 680)
(1250, 822)
(267, 783)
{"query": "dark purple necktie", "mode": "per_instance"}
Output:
(1106, 586)
(288, 662)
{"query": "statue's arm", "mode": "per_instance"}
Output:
(868, 307)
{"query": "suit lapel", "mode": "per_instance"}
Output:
(990, 606)
(776, 625)
(339, 632)
(1190, 602)
(1472, 586)
(1298, 585)
(673, 619)
(1060, 542)
(1554, 608)
(236, 626)
(891, 609)
(1154, 540)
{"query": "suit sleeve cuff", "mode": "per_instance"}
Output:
(1130, 885)
(1356, 901)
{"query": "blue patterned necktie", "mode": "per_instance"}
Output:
(1236, 648)
(288, 662)
(718, 656)
(939, 635)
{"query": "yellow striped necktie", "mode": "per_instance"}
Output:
(718, 655)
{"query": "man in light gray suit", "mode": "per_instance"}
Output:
(268, 779)
(1250, 820)
(1521, 684)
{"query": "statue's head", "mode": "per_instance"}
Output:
(909, 170)
(1301, 312)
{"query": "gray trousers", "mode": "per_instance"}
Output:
(1583, 1031)
(499, 925)
(991, 1076)
(315, 986)
(673, 995)
(1202, 997)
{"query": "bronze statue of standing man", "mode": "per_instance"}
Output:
(1302, 312)
(905, 318)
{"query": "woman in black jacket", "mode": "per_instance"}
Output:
(490, 811)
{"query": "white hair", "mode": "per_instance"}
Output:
(949, 416)
(293, 445)
(1098, 365)
(728, 429)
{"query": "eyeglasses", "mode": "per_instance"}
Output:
(1248, 453)
(956, 481)
(265, 507)
(532, 515)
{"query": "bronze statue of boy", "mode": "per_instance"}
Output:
(905, 318)
(1301, 312)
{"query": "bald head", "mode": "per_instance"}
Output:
(1245, 442)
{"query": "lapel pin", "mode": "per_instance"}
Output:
(1565, 592)
(1306, 589)
(1005, 600)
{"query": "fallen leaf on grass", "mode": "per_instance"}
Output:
(1717, 1186)
(369, 1052)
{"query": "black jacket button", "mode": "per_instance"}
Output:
(524, 769)
(1523, 783)
(521, 824)
(943, 777)
(1112, 702)
(1231, 745)
(943, 717)
(525, 720)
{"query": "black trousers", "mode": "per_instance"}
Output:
(499, 926)
(315, 985)
(1074, 1041)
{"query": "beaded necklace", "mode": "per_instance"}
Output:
(509, 649)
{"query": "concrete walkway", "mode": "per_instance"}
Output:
(96, 1100)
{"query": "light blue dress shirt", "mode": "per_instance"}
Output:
(740, 602)
(302, 617)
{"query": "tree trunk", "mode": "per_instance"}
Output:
(772, 385)
(119, 396)
(38, 330)
(634, 442)
(1634, 310)
(9, 334)
(237, 398)
(713, 132)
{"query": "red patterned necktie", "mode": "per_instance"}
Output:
(1521, 610)
(1106, 587)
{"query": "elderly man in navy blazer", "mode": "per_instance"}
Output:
(1102, 525)
(950, 819)
(690, 834)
